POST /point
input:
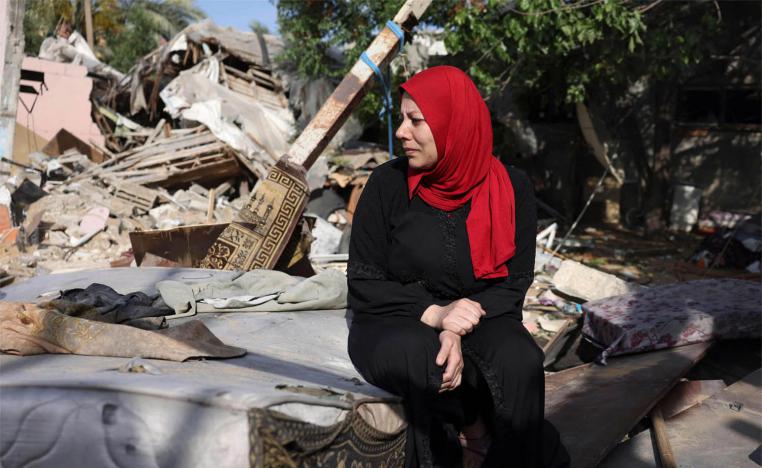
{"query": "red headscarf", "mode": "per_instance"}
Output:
(466, 168)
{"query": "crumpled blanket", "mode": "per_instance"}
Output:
(27, 329)
(258, 291)
(674, 315)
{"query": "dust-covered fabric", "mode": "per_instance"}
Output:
(258, 291)
(103, 304)
(28, 329)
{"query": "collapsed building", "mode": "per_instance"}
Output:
(184, 138)
(179, 140)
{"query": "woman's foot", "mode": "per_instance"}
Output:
(475, 441)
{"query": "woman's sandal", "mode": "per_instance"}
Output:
(474, 449)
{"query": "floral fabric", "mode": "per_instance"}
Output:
(674, 315)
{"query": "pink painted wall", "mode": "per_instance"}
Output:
(65, 104)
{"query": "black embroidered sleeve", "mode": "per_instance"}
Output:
(372, 290)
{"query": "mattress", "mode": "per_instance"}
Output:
(295, 391)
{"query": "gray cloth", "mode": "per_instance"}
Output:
(103, 304)
(258, 291)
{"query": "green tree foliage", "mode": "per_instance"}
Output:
(166, 17)
(124, 30)
(40, 20)
(311, 28)
(134, 40)
(549, 53)
(566, 45)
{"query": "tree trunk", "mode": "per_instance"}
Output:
(656, 202)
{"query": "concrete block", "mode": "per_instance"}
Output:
(588, 284)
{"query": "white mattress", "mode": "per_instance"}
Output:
(81, 411)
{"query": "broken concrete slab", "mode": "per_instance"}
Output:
(92, 223)
(578, 281)
(326, 238)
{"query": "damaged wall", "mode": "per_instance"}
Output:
(64, 102)
(724, 164)
(25, 141)
(716, 139)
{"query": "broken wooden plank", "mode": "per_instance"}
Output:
(557, 342)
(192, 152)
(275, 208)
(156, 132)
(663, 447)
(210, 207)
(205, 172)
(594, 406)
(689, 393)
(180, 160)
(173, 176)
(337, 109)
(185, 245)
(127, 159)
(724, 430)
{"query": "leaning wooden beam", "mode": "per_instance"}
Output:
(350, 91)
(663, 447)
(257, 236)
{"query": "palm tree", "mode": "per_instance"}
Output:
(167, 17)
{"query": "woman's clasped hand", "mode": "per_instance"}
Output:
(450, 355)
(455, 320)
(459, 317)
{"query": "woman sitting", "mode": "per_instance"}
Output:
(441, 256)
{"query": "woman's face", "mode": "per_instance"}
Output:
(416, 137)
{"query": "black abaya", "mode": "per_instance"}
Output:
(405, 256)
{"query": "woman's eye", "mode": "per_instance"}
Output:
(417, 121)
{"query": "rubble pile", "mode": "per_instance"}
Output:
(188, 132)
(85, 223)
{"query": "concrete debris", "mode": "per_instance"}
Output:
(178, 143)
(326, 238)
(588, 284)
(91, 224)
(71, 47)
